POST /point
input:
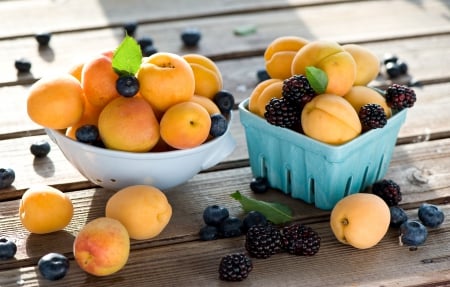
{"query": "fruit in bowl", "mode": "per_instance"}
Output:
(119, 128)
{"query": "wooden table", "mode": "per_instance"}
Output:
(418, 32)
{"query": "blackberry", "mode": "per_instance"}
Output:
(388, 190)
(263, 241)
(297, 90)
(282, 113)
(399, 97)
(235, 267)
(299, 239)
(372, 116)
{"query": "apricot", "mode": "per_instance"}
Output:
(45, 209)
(143, 210)
(263, 93)
(98, 80)
(207, 103)
(76, 70)
(330, 119)
(185, 125)
(360, 220)
(359, 96)
(102, 246)
(56, 102)
(329, 56)
(128, 124)
(367, 63)
(279, 54)
(208, 79)
(166, 79)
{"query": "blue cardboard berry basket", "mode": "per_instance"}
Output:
(315, 172)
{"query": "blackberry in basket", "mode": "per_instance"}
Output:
(297, 90)
(282, 113)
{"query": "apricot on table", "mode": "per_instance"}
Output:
(263, 93)
(359, 96)
(144, 210)
(367, 63)
(208, 78)
(330, 119)
(279, 54)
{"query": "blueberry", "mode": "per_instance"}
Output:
(7, 248)
(87, 134)
(215, 214)
(262, 75)
(130, 28)
(40, 148)
(259, 185)
(413, 233)
(149, 50)
(389, 58)
(209, 232)
(7, 177)
(253, 218)
(191, 37)
(225, 101)
(431, 215)
(219, 125)
(22, 65)
(53, 266)
(398, 216)
(43, 38)
(230, 227)
(403, 67)
(127, 86)
(145, 42)
(393, 70)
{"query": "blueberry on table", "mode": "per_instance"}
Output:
(209, 232)
(149, 50)
(253, 218)
(43, 38)
(130, 28)
(53, 266)
(40, 148)
(230, 227)
(398, 216)
(403, 67)
(389, 58)
(145, 42)
(7, 248)
(413, 233)
(127, 86)
(22, 65)
(7, 177)
(224, 101)
(259, 185)
(215, 214)
(87, 134)
(430, 215)
(262, 75)
(191, 37)
(393, 70)
(219, 125)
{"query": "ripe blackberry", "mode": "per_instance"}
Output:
(262, 241)
(282, 113)
(400, 97)
(299, 239)
(388, 190)
(235, 267)
(297, 90)
(372, 116)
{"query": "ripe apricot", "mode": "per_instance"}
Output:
(98, 80)
(208, 79)
(185, 125)
(56, 102)
(143, 210)
(262, 95)
(367, 63)
(76, 70)
(359, 96)
(128, 124)
(45, 209)
(207, 103)
(279, 54)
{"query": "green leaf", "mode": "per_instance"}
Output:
(275, 212)
(245, 30)
(127, 57)
(317, 78)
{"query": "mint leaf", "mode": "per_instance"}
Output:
(317, 78)
(127, 57)
(275, 212)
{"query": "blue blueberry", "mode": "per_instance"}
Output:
(393, 70)
(209, 232)
(398, 216)
(130, 28)
(389, 58)
(259, 185)
(413, 233)
(262, 75)
(431, 215)
(22, 65)
(230, 227)
(7, 248)
(53, 266)
(149, 50)
(403, 67)
(215, 214)
(87, 134)
(219, 125)
(145, 42)
(7, 177)
(191, 37)
(253, 218)
(127, 86)
(225, 101)
(43, 38)
(40, 148)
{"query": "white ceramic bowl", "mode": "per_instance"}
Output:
(117, 169)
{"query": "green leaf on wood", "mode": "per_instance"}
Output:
(127, 57)
(275, 212)
(317, 78)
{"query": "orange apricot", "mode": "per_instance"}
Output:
(207, 103)
(208, 79)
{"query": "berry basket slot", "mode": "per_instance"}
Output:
(315, 172)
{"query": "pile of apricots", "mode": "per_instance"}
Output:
(331, 116)
(172, 108)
